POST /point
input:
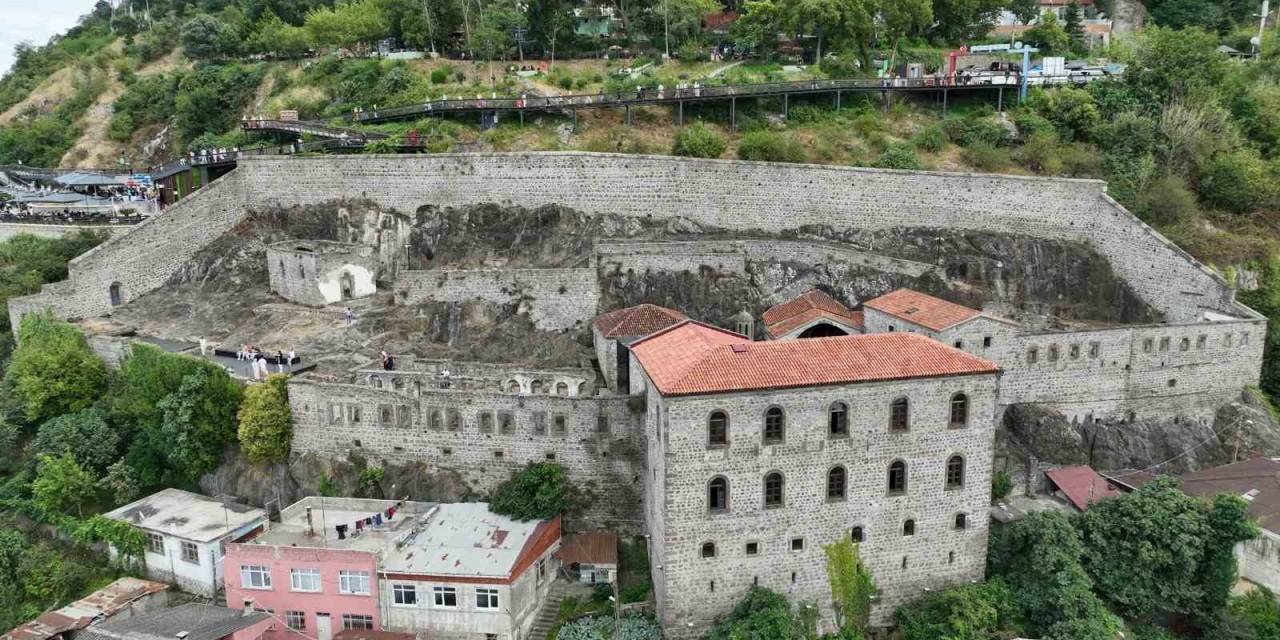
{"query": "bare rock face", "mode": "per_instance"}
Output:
(1239, 429)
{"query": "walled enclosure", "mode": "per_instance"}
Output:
(316, 273)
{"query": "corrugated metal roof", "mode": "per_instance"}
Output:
(1082, 485)
(693, 358)
(197, 621)
(590, 547)
(98, 605)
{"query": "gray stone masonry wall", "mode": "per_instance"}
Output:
(769, 197)
(936, 555)
(731, 256)
(334, 418)
(554, 298)
(314, 276)
(414, 376)
(1114, 373)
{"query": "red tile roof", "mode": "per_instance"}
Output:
(921, 309)
(640, 320)
(1082, 485)
(812, 305)
(591, 547)
(693, 358)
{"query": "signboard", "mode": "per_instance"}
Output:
(143, 179)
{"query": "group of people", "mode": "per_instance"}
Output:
(388, 361)
(258, 360)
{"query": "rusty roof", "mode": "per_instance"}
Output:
(1082, 485)
(1257, 480)
(693, 358)
(99, 605)
(812, 305)
(640, 320)
(590, 547)
(922, 309)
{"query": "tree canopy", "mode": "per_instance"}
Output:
(53, 370)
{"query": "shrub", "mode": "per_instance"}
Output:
(84, 434)
(1039, 153)
(1001, 485)
(1236, 182)
(1030, 124)
(1259, 611)
(866, 124)
(970, 611)
(1073, 112)
(930, 139)
(967, 131)
(565, 82)
(986, 157)
(630, 627)
(264, 420)
(770, 146)
(440, 75)
(841, 66)
(698, 141)
(539, 491)
(1080, 160)
(898, 157)
(53, 371)
(808, 113)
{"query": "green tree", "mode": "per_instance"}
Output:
(759, 615)
(1048, 36)
(1025, 10)
(684, 18)
(199, 419)
(1169, 65)
(904, 18)
(847, 21)
(548, 20)
(1074, 19)
(84, 434)
(852, 587)
(959, 21)
(698, 141)
(771, 146)
(265, 417)
(539, 491)
(1158, 551)
(348, 24)
(967, 612)
(1073, 112)
(204, 37)
(39, 142)
(62, 485)
(1258, 608)
(53, 370)
(1039, 557)
(121, 481)
(1180, 14)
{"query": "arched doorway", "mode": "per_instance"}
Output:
(348, 285)
(823, 330)
(117, 296)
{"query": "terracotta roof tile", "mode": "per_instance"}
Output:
(640, 320)
(693, 358)
(922, 309)
(812, 305)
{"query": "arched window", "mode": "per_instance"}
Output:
(377, 383)
(535, 386)
(857, 535)
(397, 384)
(513, 386)
(718, 494)
(899, 415)
(836, 483)
(955, 472)
(718, 429)
(562, 389)
(959, 410)
(898, 477)
(773, 490)
(908, 527)
(838, 420)
(961, 521)
(774, 425)
(709, 551)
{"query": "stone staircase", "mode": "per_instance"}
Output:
(549, 612)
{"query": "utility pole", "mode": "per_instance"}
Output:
(1262, 27)
(666, 27)
(431, 31)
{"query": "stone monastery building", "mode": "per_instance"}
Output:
(761, 359)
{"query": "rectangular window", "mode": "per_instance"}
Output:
(986, 342)
(335, 413)
(304, 580)
(486, 422)
(602, 423)
(190, 553)
(353, 413)
(559, 424)
(1074, 351)
(404, 594)
(354, 582)
(1095, 349)
(499, 454)
(404, 416)
(1147, 345)
(254, 576)
(1201, 340)
(296, 620)
(386, 414)
(445, 596)
(1033, 354)
(797, 544)
(352, 621)
(506, 422)
(753, 548)
(539, 423)
(486, 598)
(155, 543)
(1164, 344)
(455, 419)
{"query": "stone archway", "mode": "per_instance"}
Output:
(822, 330)
(347, 284)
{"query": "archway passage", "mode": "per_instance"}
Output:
(117, 298)
(823, 330)
(348, 285)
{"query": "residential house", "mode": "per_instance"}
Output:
(191, 621)
(186, 533)
(122, 599)
(592, 555)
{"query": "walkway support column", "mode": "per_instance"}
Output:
(680, 117)
(733, 114)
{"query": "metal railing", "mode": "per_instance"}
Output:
(308, 127)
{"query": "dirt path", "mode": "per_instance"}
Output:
(56, 88)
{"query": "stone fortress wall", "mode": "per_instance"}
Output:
(554, 298)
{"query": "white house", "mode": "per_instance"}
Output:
(185, 535)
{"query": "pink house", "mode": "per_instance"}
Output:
(315, 580)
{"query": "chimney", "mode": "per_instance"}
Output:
(248, 608)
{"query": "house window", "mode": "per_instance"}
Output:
(486, 598)
(838, 420)
(955, 472)
(304, 580)
(1173, 382)
(296, 620)
(836, 483)
(797, 544)
(1164, 344)
(959, 344)
(708, 549)
(986, 342)
(386, 413)
(774, 425)
(899, 415)
(1184, 344)
(562, 389)
(506, 422)
(354, 621)
(335, 413)
(404, 594)
(1201, 340)
(959, 410)
(718, 494)
(753, 548)
(718, 429)
(354, 582)
(908, 527)
(856, 534)
(602, 423)
(1227, 339)
(377, 383)
(961, 521)
(454, 418)
(486, 422)
(435, 419)
(558, 424)
(1095, 349)
(1074, 351)
(353, 413)
(891, 329)
(1147, 345)
(1033, 355)
(499, 454)
(539, 423)
(773, 490)
(445, 596)
(253, 576)
(898, 477)
(155, 543)
(1053, 353)
(190, 553)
